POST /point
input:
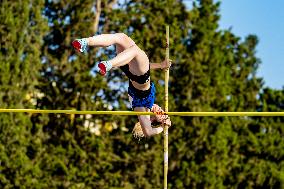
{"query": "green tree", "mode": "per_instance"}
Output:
(74, 157)
(22, 28)
(264, 151)
(213, 70)
(219, 74)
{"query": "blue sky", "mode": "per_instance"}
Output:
(265, 19)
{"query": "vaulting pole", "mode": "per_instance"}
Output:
(166, 133)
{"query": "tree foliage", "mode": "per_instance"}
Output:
(22, 31)
(213, 70)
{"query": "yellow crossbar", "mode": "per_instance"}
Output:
(142, 113)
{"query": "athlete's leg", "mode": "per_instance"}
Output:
(103, 40)
(133, 52)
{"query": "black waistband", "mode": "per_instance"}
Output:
(141, 79)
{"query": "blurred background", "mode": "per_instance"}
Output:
(227, 56)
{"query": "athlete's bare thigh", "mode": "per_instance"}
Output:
(140, 64)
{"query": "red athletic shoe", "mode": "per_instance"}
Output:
(76, 44)
(102, 68)
(80, 44)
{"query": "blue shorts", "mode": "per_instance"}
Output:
(142, 98)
